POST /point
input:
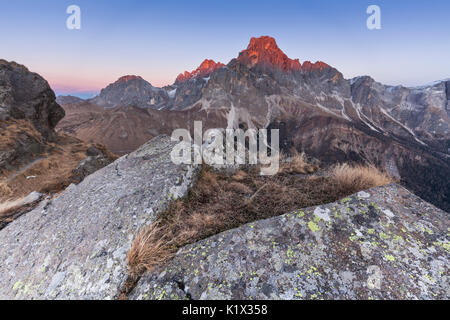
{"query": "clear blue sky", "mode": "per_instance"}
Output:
(159, 39)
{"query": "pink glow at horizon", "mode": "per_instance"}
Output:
(80, 83)
(74, 77)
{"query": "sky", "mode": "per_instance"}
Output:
(160, 39)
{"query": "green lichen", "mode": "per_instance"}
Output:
(290, 253)
(300, 214)
(430, 278)
(389, 257)
(18, 285)
(313, 226)
(383, 235)
(353, 237)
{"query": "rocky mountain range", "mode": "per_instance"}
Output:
(404, 130)
(75, 242)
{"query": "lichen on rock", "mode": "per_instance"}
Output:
(385, 244)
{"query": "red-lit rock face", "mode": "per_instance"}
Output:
(319, 65)
(264, 51)
(204, 70)
(128, 78)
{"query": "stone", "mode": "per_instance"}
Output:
(360, 252)
(26, 95)
(75, 246)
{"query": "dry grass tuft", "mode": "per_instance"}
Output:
(359, 177)
(152, 247)
(219, 202)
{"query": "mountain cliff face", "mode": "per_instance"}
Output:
(404, 130)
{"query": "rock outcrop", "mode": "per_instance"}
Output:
(384, 243)
(74, 246)
(27, 96)
(28, 115)
(97, 157)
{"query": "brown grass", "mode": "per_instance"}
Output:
(52, 171)
(298, 164)
(10, 130)
(5, 190)
(358, 177)
(219, 202)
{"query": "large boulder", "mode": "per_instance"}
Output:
(75, 246)
(26, 95)
(384, 243)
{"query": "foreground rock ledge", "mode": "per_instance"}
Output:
(75, 246)
(384, 243)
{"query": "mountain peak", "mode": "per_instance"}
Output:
(266, 41)
(264, 51)
(207, 67)
(128, 78)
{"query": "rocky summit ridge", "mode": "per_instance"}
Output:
(204, 70)
(263, 52)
